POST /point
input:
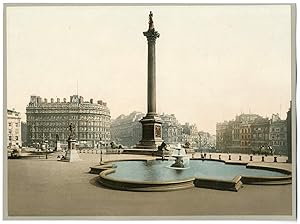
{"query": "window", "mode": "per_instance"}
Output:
(17, 125)
(9, 138)
(17, 138)
(9, 124)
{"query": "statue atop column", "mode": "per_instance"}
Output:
(151, 34)
(151, 24)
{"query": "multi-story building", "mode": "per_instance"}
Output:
(189, 134)
(50, 121)
(127, 130)
(236, 135)
(220, 136)
(224, 136)
(245, 122)
(249, 132)
(13, 129)
(171, 129)
(260, 133)
(278, 134)
(24, 133)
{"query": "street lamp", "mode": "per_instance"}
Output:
(101, 157)
(100, 160)
(46, 147)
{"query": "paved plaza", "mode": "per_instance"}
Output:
(40, 187)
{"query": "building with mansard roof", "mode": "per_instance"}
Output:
(49, 120)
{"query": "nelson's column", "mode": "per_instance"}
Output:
(151, 123)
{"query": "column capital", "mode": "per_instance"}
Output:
(151, 35)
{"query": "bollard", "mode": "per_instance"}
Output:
(251, 158)
(262, 158)
(209, 156)
(219, 156)
(275, 159)
(229, 157)
(240, 158)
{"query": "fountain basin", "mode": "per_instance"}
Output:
(153, 175)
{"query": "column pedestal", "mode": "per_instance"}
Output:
(71, 154)
(57, 146)
(152, 133)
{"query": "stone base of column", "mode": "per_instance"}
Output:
(57, 146)
(151, 138)
(71, 154)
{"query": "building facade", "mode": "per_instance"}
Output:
(221, 135)
(278, 134)
(250, 132)
(127, 130)
(50, 121)
(171, 129)
(13, 129)
(260, 133)
(24, 134)
(189, 133)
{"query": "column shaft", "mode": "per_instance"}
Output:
(151, 78)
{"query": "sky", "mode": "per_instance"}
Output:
(212, 62)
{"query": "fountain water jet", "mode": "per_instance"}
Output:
(181, 158)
